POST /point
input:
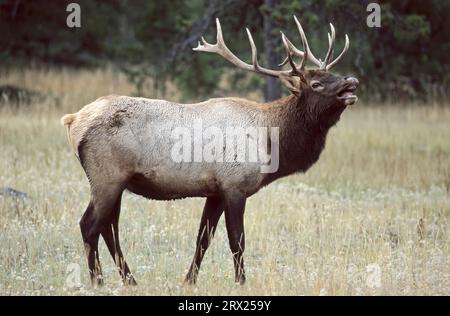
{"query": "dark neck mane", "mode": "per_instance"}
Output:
(303, 131)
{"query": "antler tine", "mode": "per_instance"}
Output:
(308, 52)
(212, 48)
(284, 62)
(219, 33)
(200, 45)
(331, 40)
(254, 50)
(305, 55)
(291, 50)
(295, 51)
(289, 53)
(347, 44)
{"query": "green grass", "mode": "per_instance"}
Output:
(384, 168)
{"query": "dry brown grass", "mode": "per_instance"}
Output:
(379, 196)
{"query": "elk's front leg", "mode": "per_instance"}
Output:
(234, 218)
(211, 213)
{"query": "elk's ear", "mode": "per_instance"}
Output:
(291, 82)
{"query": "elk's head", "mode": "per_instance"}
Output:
(319, 90)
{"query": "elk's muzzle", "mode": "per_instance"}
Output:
(345, 95)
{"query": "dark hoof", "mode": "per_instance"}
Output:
(97, 282)
(130, 281)
(189, 280)
(240, 280)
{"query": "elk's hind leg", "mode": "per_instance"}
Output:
(95, 221)
(90, 231)
(111, 237)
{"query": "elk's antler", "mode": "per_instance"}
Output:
(221, 49)
(330, 65)
(328, 62)
(290, 50)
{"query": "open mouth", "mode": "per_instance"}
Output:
(346, 95)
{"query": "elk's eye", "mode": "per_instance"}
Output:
(316, 84)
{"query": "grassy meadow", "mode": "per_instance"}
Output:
(370, 218)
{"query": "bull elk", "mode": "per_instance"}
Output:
(125, 143)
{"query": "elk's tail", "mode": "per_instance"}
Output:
(68, 120)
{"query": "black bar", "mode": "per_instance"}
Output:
(211, 305)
